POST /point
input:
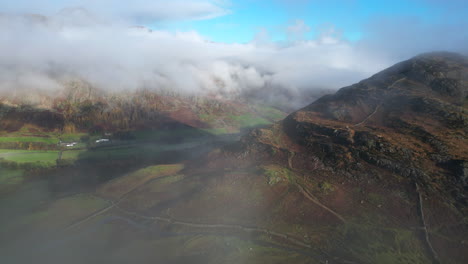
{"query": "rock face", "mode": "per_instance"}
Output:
(402, 128)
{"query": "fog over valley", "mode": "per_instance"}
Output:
(234, 132)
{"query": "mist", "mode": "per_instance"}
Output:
(124, 140)
(41, 49)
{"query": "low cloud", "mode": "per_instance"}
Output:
(136, 11)
(120, 57)
(42, 52)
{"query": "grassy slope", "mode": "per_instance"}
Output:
(226, 123)
(122, 185)
(63, 212)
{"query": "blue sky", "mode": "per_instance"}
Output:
(238, 21)
(350, 17)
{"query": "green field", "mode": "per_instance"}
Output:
(72, 154)
(47, 158)
(72, 137)
(249, 120)
(4, 151)
(234, 123)
(270, 113)
(47, 140)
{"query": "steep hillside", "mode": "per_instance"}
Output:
(400, 135)
(82, 108)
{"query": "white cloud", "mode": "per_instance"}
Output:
(116, 57)
(297, 30)
(137, 10)
(39, 52)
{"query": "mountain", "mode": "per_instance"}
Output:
(400, 135)
(410, 119)
(375, 173)
(81, 108)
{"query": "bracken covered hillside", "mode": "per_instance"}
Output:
(79, 107)
(394, 145)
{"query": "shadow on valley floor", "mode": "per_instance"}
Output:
(175, 143)
(51, 199)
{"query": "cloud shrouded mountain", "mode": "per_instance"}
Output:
(41, 52)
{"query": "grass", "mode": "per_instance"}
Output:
(233, 123)
(154, 193)
(39, 140)
(326, 187)
(270, 113)
(28, 139)
(122, 185)
(370, 238)
(213, 120)
(276, 174)
(65, 211)
(375, 198)
(72, 137)
(69, 157)
(378, 245)
(238, 251)
(3, 151)
(249, 120)
(72, 154)
(200, 248)
(44, 157)
(163, 183)
(10, 176)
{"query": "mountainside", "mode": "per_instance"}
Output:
(401, 133)
(81, 108)
(376, 173)
(410, 119)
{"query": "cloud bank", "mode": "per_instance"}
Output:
(42, 52)
(123, 10)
